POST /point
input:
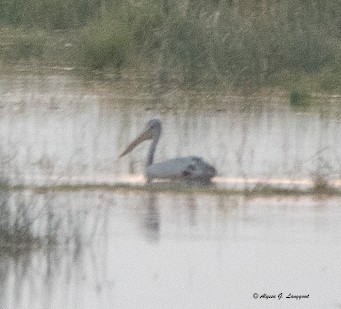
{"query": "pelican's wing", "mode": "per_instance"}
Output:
(184, 167)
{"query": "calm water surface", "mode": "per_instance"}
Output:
(164, 250)
(52, 127)
(182, 251)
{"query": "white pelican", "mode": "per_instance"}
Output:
(187, 168)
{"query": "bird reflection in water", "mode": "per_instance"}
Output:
(192, 209)
(151, 219)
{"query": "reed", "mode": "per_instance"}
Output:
(243, 43)
(28, 223)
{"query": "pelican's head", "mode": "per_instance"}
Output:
(154, 127)
(152, 131)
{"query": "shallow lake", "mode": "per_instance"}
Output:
(147, 250)
(170, 250)
(55, 128)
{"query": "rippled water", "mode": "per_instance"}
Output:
(169, 250)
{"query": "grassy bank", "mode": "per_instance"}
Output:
(250, 44)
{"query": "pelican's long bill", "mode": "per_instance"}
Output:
(146, 134)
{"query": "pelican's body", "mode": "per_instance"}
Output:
(188, 168)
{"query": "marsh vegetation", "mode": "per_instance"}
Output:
(80, 229)
(293, 45)
(31, 221)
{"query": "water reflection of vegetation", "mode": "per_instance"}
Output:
(34, 221)
(16, 226)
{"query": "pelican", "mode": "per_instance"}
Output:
(190, 168)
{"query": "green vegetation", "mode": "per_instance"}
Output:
(320, 187)
(253, 43)
(26, 47)
(105, 43)
(48, 14)
(299, 99)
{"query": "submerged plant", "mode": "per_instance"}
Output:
(299, 99)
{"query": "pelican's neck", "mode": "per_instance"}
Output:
(151, 151)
